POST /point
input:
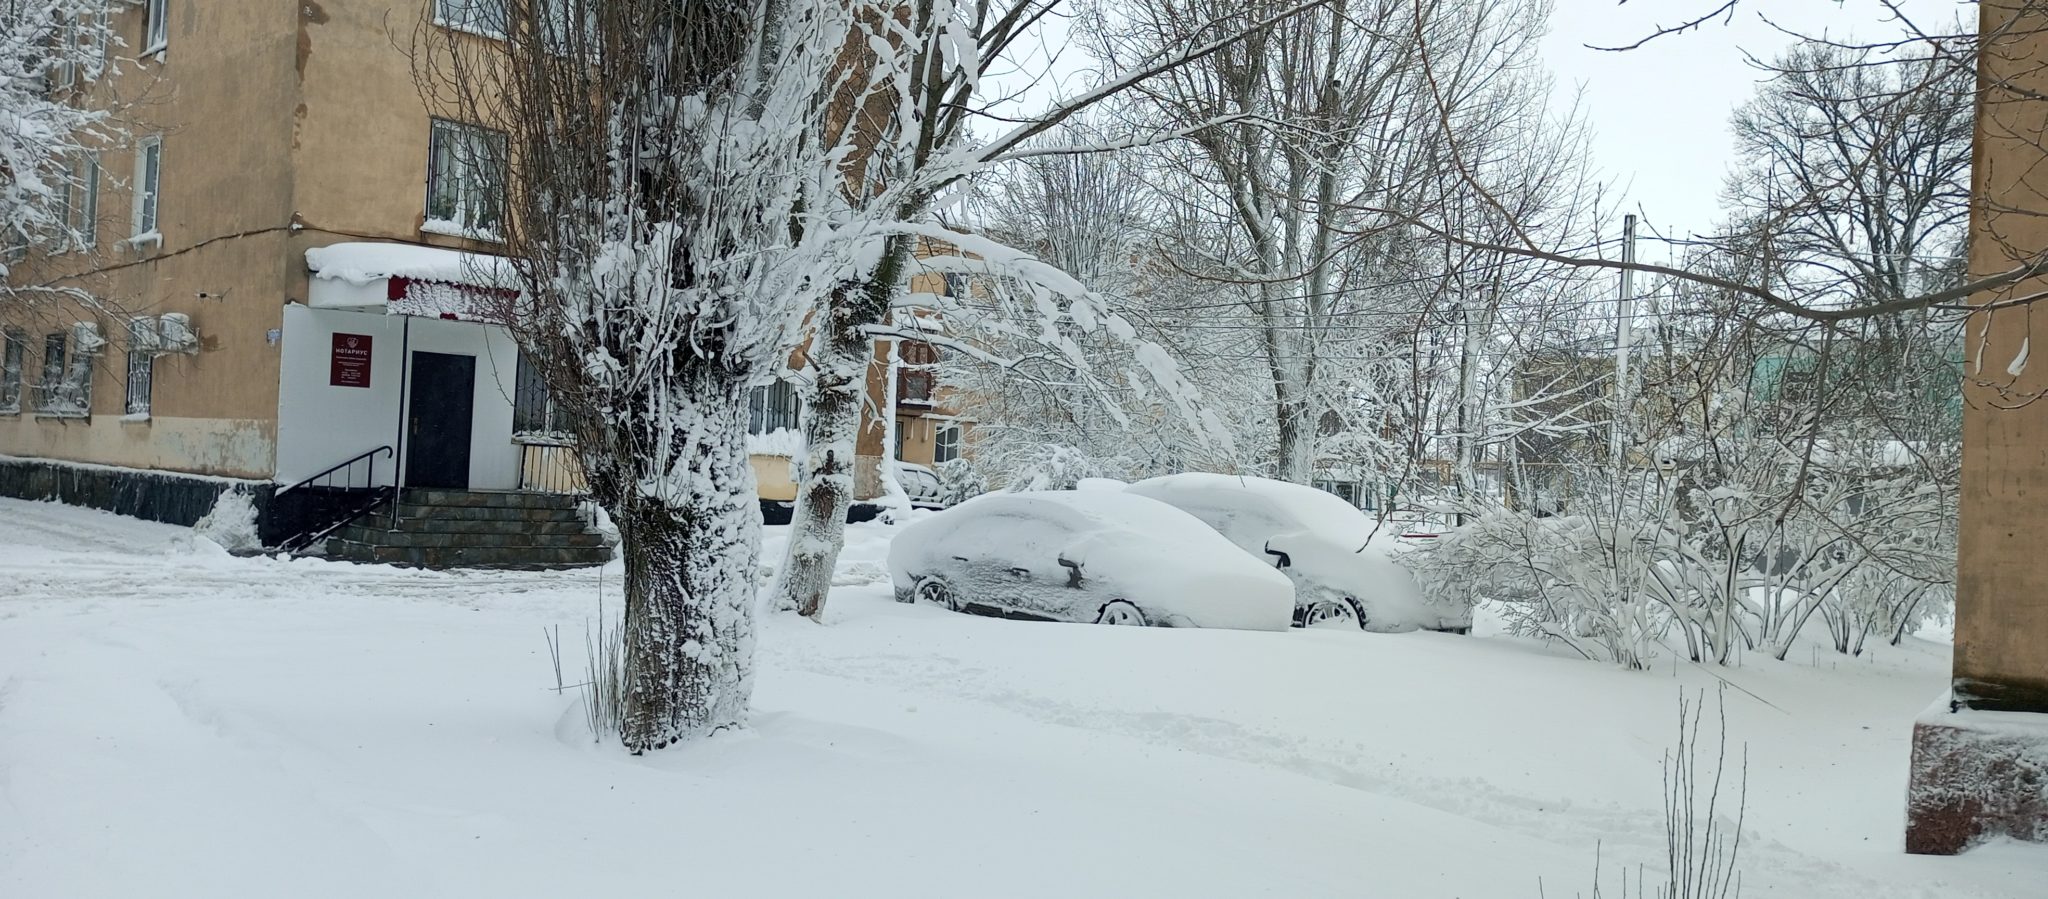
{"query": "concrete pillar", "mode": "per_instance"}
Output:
(1980, 757)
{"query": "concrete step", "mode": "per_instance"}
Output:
(517, 557)
(424, 524)
(501, 499)
(418, 512)
(426, 539)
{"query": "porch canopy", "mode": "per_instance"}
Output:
(410, 279)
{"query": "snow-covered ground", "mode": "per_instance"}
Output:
(176, 722)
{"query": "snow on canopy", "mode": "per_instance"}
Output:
(364, 263)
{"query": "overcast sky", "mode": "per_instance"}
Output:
(1658, 114)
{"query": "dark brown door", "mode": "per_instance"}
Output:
(439, 410)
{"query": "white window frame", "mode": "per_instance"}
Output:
(558, 33)
(147, 218)
(156, 31)
(473, 16)
(774, 407)
(940, 445)
(464, 145)
(84, 218)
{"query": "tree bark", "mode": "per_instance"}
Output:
(818, 527)
(840, 352)
(689, 527)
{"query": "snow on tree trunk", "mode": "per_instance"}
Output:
(825, 492)
(1297, 433)
(689, 620)
(840, 351)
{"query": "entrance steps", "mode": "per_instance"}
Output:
(473, 529)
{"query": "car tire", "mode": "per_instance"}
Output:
(1120, 612)
(1327, 610)
(932, 591)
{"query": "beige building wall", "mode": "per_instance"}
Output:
(284, 127)
(2001, 651)
(220, 98)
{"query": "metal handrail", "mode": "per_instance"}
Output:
(372, 454)
(339, 515)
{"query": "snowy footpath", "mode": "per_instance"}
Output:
(175, 722)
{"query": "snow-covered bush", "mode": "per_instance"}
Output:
(1566, 579)
(231, 523)
(960, 480)
(1055, 466)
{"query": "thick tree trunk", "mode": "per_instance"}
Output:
(818, 526)
(1296, 430)
(840, 353)
(690, 529)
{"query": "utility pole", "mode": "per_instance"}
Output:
(1624, 326)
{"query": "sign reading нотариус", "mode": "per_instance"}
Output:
(350, 362)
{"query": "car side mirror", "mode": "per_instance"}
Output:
(1073, 570)
(1282, 559)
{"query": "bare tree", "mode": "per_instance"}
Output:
(936, 55)
(1349, 112)
(58, 106)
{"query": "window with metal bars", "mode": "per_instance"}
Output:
(772, 407)
(13, 350)
(142, 346)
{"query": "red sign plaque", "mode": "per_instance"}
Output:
(350, 363)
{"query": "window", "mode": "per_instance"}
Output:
(142, 347)
(956, 284)
(85, 214)
(772, 407)
(78, 205)
(916, 380)
(13, 347)
(66, 385)
(465, 180)
(485, 17)
(149, 158)
(533, 411)
(88, 32)
(50, 391)
(561, 33)
(155, 30)
(946, 442)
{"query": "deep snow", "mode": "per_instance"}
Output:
(178, 722)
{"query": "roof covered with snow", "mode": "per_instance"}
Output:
(364, 263)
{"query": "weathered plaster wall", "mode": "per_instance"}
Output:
(2001, 652)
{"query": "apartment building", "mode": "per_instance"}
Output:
(292, 259)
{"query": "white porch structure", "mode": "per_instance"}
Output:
(349, 376)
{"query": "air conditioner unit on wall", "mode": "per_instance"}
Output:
(174, 331)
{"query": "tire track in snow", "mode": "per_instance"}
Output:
(1638, 834)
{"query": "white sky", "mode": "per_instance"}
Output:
(1658, 114)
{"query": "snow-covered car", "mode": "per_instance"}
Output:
(1318, 540)
(1091, 556)
(922, 484)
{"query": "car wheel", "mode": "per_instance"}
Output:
(1325, 611)
(935, 592)
(1118, 611)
